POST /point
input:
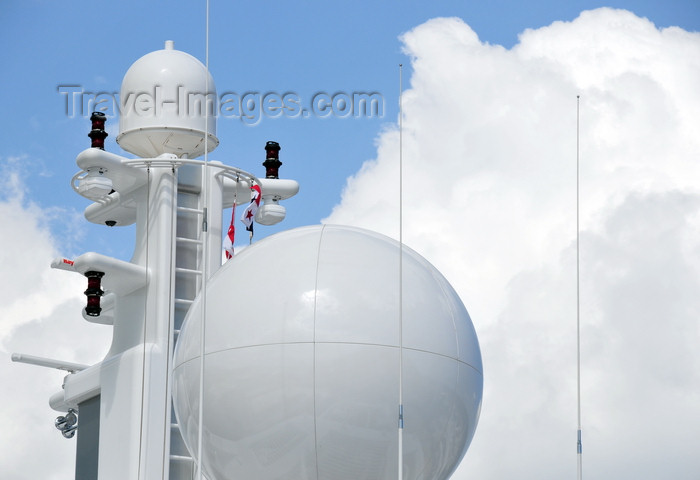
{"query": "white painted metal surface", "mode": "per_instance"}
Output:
(164, 97)
(302, 331)
(301, 367)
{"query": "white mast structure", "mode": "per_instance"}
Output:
(127, 430)
(302, 384)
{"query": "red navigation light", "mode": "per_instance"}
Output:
(98, 120)
(98, 134)
(272, 159)
(93, 293)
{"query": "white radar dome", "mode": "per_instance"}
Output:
(168, 104)
(302, 362)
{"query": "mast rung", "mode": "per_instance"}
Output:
(184, 301)
(188, 240)
(181, 458)
(188, 271)
(196, 211)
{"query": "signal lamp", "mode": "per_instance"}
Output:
(98, 134)
(272, 159)
(93, 293)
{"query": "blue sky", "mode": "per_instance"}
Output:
(489, 143)
(303, 47)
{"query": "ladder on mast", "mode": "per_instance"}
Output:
(189, 273)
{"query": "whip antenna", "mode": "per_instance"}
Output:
(400, 273)
(578, 300)
(205, 249)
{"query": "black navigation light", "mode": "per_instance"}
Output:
(98, 134)
(93, 293)
(272, 159)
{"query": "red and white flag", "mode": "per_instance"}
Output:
(249, 212)
(228, 239)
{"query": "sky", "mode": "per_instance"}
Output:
(489, 155)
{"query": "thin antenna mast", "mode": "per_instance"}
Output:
(578, 300)
(400, 470)
(205, 250)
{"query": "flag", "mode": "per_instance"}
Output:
(228, 239)
(249, 212)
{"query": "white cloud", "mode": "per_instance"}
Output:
(489, 198)
(489, 156)
(39, 315)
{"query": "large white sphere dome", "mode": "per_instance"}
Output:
(302, 363)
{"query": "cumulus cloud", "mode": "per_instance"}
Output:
(489, 157)
(39, 315)
(489, 198)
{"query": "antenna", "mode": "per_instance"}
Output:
(400, 272)
(205, 254)
(48, 362)
(578, 297)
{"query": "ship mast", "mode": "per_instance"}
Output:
(126, 428)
